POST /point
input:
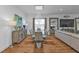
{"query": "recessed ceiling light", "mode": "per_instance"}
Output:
(39, 7)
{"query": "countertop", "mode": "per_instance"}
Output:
(70, 34)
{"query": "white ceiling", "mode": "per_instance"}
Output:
(50, 9)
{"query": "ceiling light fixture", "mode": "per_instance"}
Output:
(39, 7)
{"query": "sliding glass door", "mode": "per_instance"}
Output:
(39, 24)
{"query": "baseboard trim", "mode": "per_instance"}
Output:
(5, 49)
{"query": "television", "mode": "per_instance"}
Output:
(66, 22)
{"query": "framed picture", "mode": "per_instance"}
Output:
(18, 20)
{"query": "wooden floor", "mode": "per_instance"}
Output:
(50, 45)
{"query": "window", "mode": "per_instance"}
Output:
(39, 24)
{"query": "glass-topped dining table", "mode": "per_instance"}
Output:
(38, 40)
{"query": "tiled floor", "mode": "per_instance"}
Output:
(50, 45)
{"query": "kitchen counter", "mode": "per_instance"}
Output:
(72, 39)
(69, 33)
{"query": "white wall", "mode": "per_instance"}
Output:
(6, 14)
(5, 35)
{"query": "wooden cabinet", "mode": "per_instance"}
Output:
(15, 36)
(18, 36)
